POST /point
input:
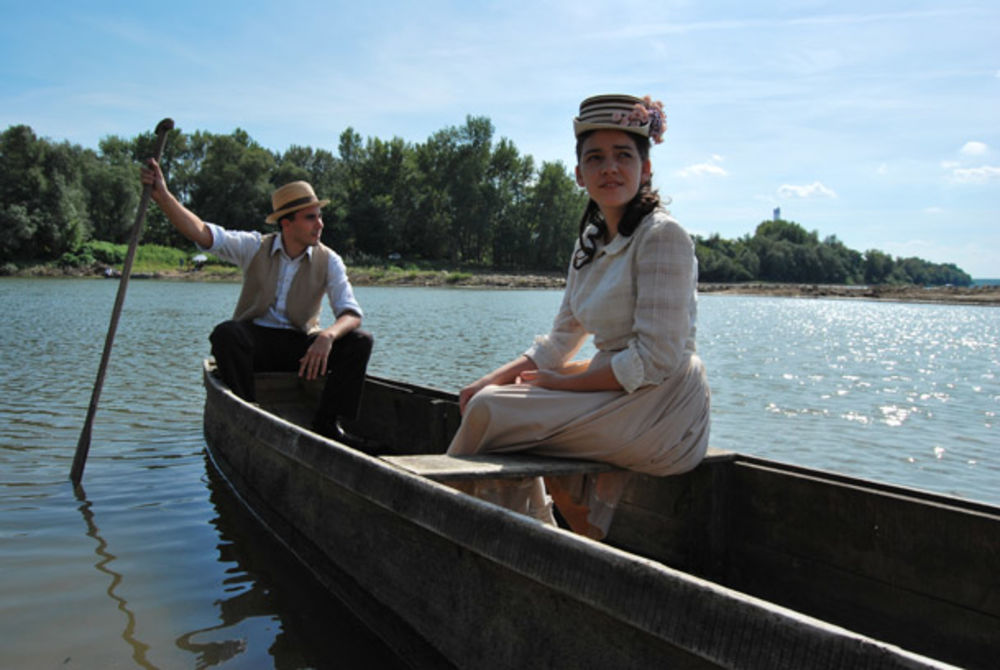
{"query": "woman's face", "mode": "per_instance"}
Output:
(611, 169)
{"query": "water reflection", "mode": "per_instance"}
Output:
(266, 582)
(106, 558)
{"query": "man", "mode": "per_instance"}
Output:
(276, 322)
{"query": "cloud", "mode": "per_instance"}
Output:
(974, 149)
(977, 175)
(709, 168)
(813, 190)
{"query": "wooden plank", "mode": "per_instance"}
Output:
(883, 561)
(442, 467)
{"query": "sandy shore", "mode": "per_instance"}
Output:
(973, 295)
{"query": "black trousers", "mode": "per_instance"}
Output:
(242, 348)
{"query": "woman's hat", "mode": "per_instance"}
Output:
(641, 116)
(292, 197)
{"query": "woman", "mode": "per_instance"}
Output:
(642, 403)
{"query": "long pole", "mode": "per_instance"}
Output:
(83, 445)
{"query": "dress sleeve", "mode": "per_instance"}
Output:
(666, 276)
(564, 340)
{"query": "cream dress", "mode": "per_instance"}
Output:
(638, 298)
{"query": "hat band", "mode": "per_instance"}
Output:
(295, 203)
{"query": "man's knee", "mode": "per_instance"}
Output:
(358, 342)
(230, 333)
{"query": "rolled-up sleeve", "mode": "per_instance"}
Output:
(666, 276)
(234, 246)
(338, 288)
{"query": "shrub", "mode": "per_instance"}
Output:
(75, 260)
(106, 252)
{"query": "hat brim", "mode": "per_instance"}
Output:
(581, 127)
(273, 218)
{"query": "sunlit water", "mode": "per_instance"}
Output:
(153, 565)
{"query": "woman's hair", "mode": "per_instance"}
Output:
(644, 202)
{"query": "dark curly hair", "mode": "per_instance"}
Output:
(644, 202)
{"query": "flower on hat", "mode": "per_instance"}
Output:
(647, 111)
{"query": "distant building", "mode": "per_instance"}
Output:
(777, 213)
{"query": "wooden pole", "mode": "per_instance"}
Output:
(83, 445)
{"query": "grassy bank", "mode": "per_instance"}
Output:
(167, 263)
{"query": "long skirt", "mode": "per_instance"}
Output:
(658, 430)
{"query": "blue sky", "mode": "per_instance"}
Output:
(877, 122)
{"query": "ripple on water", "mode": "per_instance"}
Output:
(154, 565)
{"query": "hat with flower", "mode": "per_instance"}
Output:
(641, 116)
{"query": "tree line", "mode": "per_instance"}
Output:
(460, 198)
(783, 251)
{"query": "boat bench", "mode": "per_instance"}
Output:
(446, 468)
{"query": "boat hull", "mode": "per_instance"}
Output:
(457, 581)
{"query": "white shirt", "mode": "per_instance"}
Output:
(638, 297)
(240, 246)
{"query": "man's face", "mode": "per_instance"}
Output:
(305, 228)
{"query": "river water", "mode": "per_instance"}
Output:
(151, 564)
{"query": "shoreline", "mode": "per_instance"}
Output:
(361, 276)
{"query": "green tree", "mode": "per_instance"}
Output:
(504, 195)
(233, 187)
(878, 267)
(551, 214)
(41, 195)
(112, 182)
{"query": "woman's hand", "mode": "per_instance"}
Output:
(505, 374)
(466, 394)
(546, 379)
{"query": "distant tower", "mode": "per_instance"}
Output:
(777, 213)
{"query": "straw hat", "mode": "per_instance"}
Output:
(292, 197)
(640, 116)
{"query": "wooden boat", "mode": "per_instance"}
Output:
(741, 563)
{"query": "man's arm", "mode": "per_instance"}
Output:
(183, 219)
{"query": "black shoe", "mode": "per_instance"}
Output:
(333, 430)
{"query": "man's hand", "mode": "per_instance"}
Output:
(313, 363)
(152, 175)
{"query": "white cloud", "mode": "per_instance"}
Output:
(813, 190)
(974, 149)
(950, 165)
(882, 169)
(710, 168)
(934, 211)
(977, 175)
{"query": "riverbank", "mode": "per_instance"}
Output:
(394, 276)
(961, 295)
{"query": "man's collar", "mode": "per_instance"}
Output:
(279, 246)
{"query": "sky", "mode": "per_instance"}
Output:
(875, 122)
